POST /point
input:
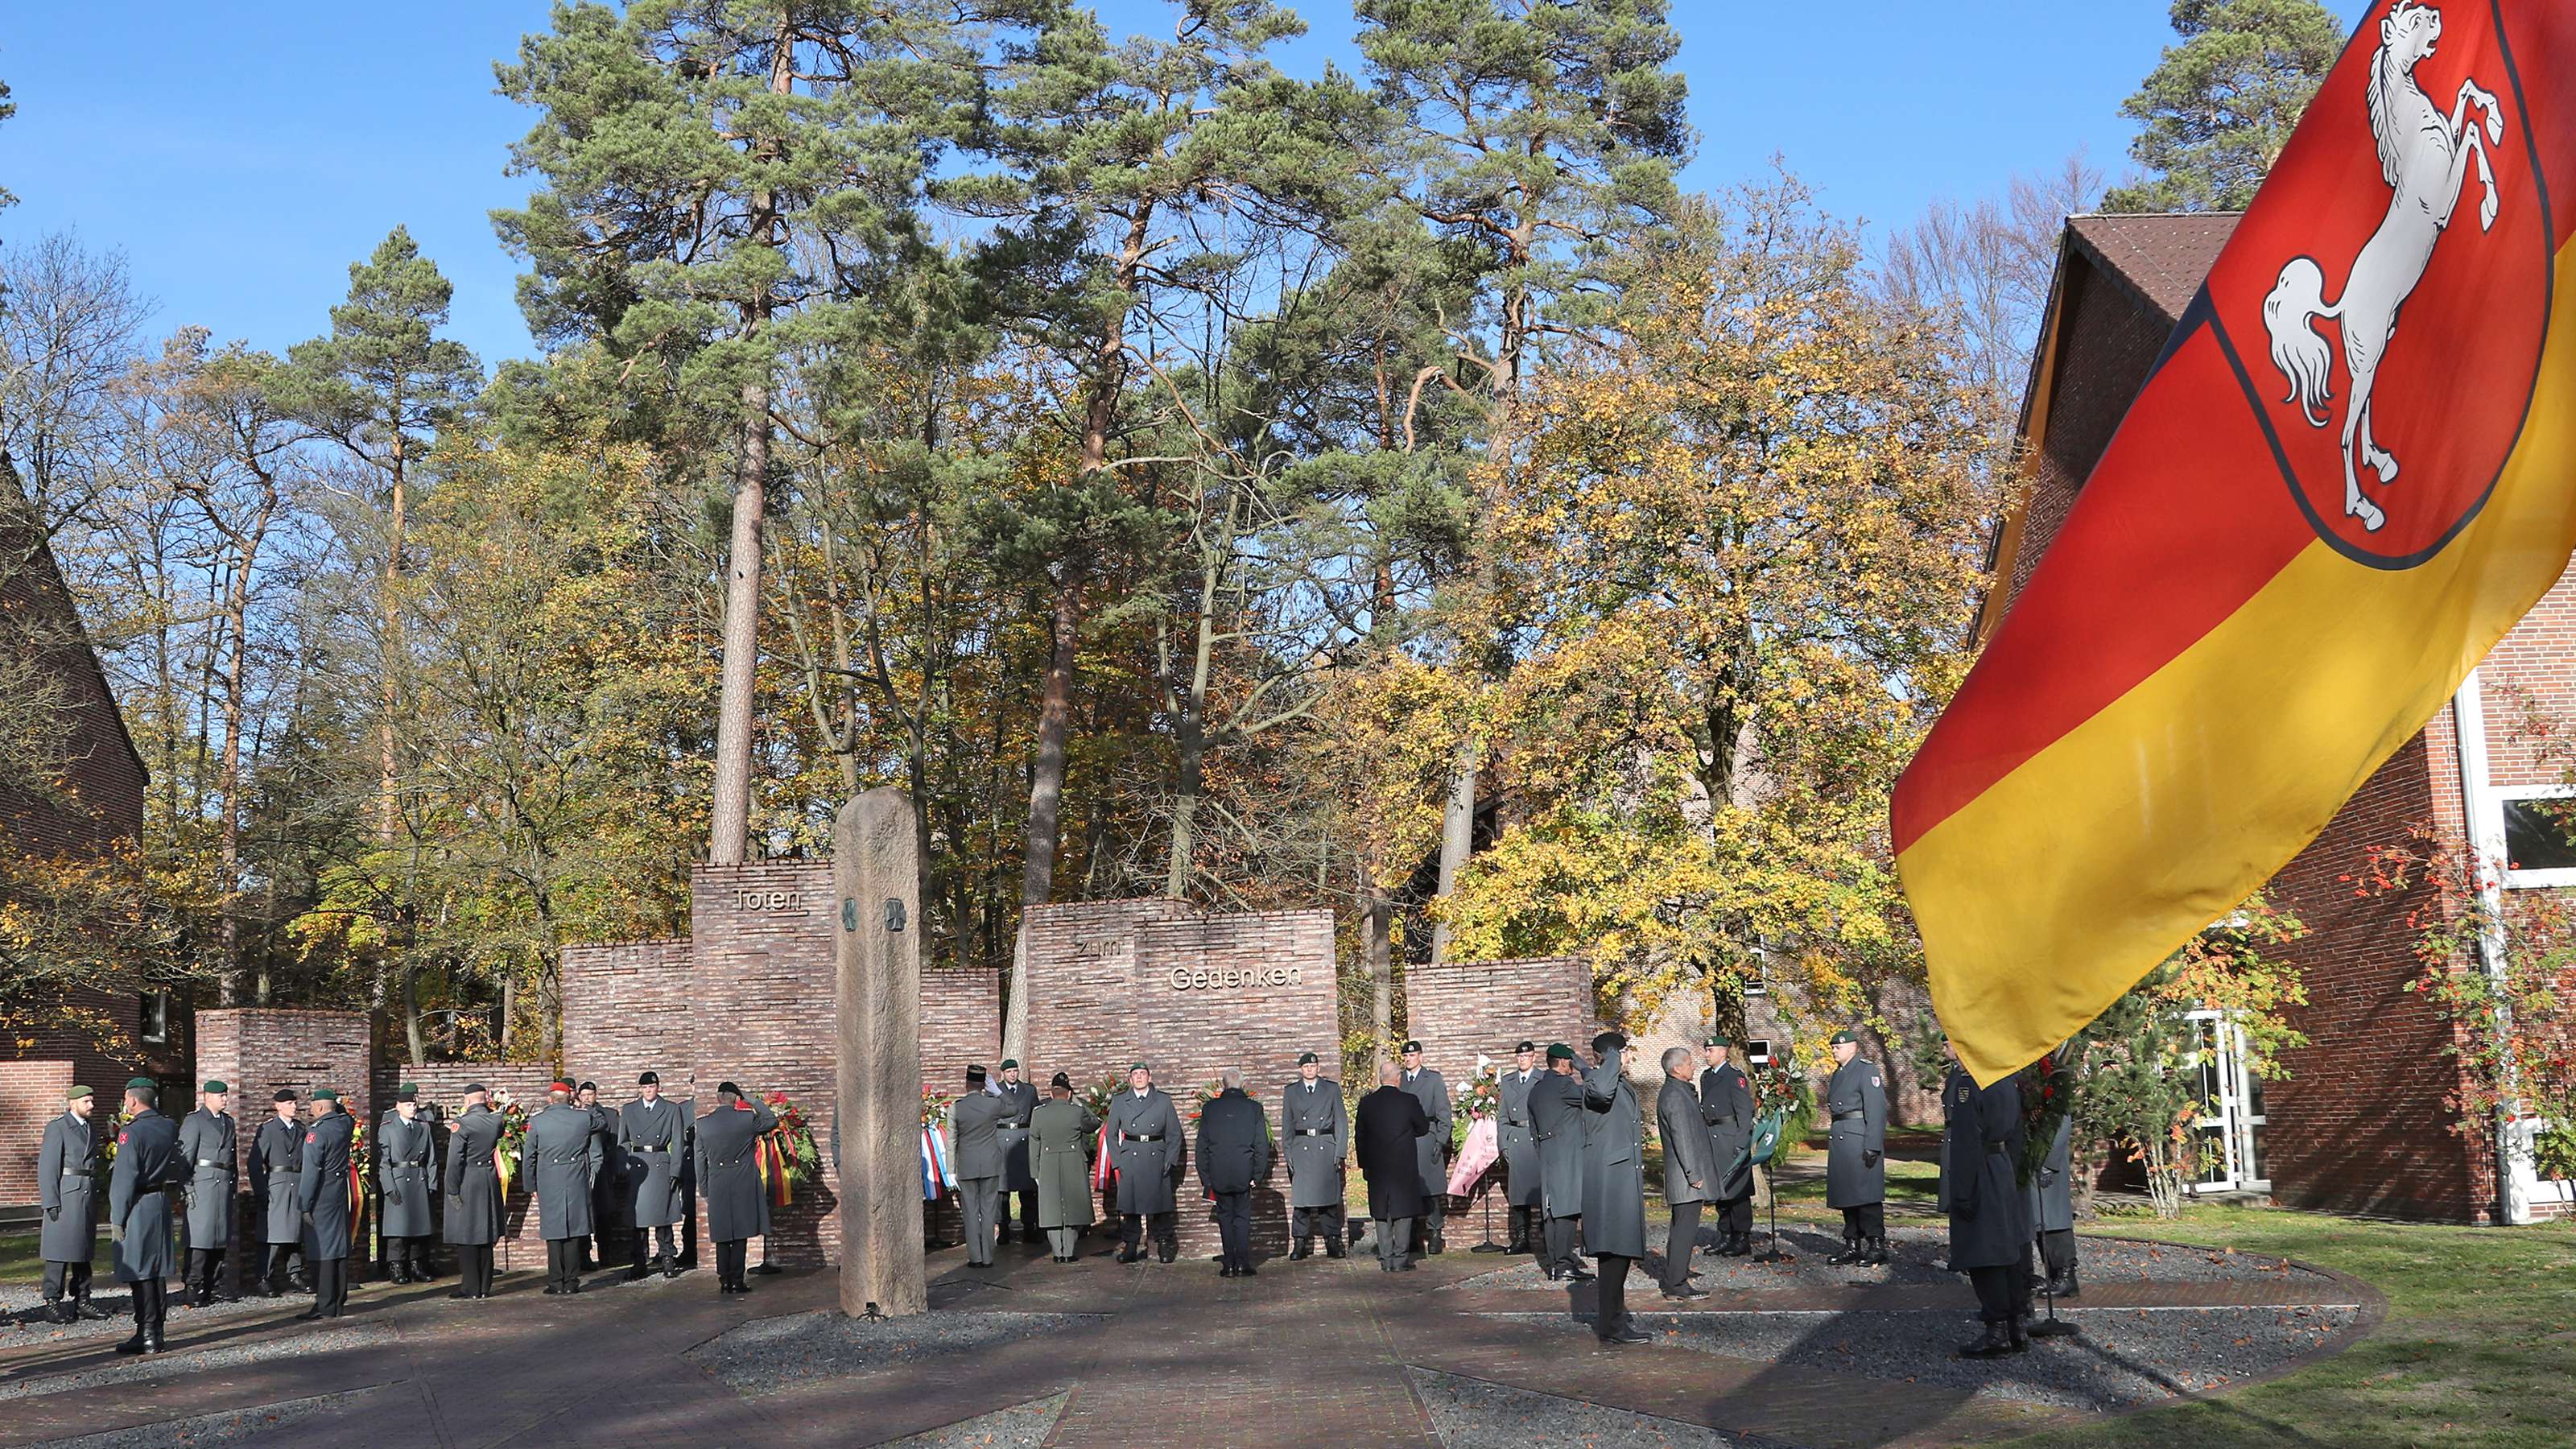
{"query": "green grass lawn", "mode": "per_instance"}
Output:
(22, 1259)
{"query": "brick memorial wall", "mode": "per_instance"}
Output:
(1458, 1009)
(31, 1094)
(256, 1051)
(442, 1084)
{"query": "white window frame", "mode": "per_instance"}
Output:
(2493, 845)
(156, 1014)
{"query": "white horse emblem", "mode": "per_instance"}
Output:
(2424, 157)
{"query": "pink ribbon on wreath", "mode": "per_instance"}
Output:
(1481, 1150)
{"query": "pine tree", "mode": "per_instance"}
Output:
(2219, 107)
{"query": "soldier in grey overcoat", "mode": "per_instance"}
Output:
(1614, 1184)
(209, 1144)
(728, 1140)
(323, 1192)
(562, 1170)
(276, 1172)
(1145, 1143)
(67, 1188)
(1856, 1152)
(1690, 1168)
(653, 1147)
(472, 1180)
(148, 1170)
(1726, 1101)
(1521, 1187)
(1557, 1121)
(1989, 1216)
(406, 1181)
(2052, 1212)
(1315, 1127)
(1428, 1088)
(976, 1119)
(1019, 1171)
(1065, 1140)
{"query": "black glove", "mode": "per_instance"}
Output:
(53, 1215)
(1871, 1159)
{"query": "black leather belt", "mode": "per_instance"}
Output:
(1132, 1137)
(1998, 1148)
(1848, 1116)
(212, 1162)
(665, 1151)
(1311, 1131)
(76, 1172)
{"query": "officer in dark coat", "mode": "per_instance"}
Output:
(323, 1192)
(148, 1170)
(67, 1187)
(1316, 1128)
(1726, 1100)
(1521, 1187)
(727, 1139)
(607, 1197)
(653, 1146)
(209, 1145)
(1234, 1154)
(2052, 1212)
(1856, 1152)
(1389, 1128)
(406, 1180)
(276, 1173)
(976, 1119)
(562, 1170)
(1989, 1217)
(1690, 1168)
(1145, 1142)
(1019, 1174)
(473, 1185)
(1557, 1122)
(1432, 1152)
(1614, 1184)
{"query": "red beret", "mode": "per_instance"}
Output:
(564, 1087)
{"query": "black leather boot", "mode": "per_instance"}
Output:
(1851, 1252)
(1994, 1340)
(2070, 1288)
(1878, 1252)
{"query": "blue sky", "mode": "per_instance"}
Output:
(243, 155)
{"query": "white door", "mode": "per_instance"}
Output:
(2231, 1124)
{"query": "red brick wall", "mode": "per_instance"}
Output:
(1460, 1008)
(521, 1244)
(2532, 671)
(31, 1094)
(106, 782)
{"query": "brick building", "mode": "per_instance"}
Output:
(2359, 1121)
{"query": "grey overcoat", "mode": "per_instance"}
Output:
(1145, 1143)
(67, 1188)
(1521, 1185)
(1065, 1139)
(148, 1169)
(1557, 1120)
(1614, 1187)
(1690, 1157)
(1020, 1099)
(406, 1173)
(1726, 1103)
(1315, 1137)
(1981, 1141)
(322, 1188)
(1432, 1152)
(562, 1169)
(653, 1145)
(737, 1207)
(976, 1121)
(2052, 1196)
(608, 1196)
(1856, 1143)
(473, 1178)
(276, 1174)
(212, 1151)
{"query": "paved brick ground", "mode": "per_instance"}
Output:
(1304, 1354)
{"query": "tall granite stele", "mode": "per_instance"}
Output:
(876, 872)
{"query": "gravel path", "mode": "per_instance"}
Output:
(25, 1323)
(1473, 1414)
(1918, 1255)
(179, 1362)
(1021, 1426)
(240, 1426)
(768, 1354)
(2124, 1356)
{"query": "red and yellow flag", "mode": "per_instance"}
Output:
(2352, 470)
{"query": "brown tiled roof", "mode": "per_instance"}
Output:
(2162, 255)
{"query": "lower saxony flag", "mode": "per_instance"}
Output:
(2352, 470)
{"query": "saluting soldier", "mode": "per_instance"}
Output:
(1145, 1142)
(148, 1168)
(323, 1192)
(1019, 1174)
(209, 1144)
(276, 1179)
(2052, 1212)
(563, 1170)
(1521, 1186)
(406, 1178)
(1981, 1145)
(1726, 1100)
(977, 1119)
(1690, 1168)
(1557, 1121)
(1065, 1138)
(653, 1145)
(605, 1194)
(1856, 1152)
(1614, 1184)
(1432, 1091)
(67, 1187)
(1318, 1128)
(473, 1184)
(730, 1174)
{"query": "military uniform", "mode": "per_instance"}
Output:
(276, 1168)
(406, 1181)
(1557, 1122)
(1522, 1191)
(607, 1198)
(209, 1145)
(737, 1209)
(1432, 1152)
(2052, 1212)
(1989, 1216)
(1614, 1187)
(1316, 1138)
(976, 1119)
(323, 1191)
(1690, 1176)
(562, 1169)
(1019, 1171)
(1063, 1137)
(1145, 1143)
(148, 1170)
(472, 1181)
(1726, 1103)
(1234, 1154)
(653, 1149)
(67, 1187)
(1856, 1156)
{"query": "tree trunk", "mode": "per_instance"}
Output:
(1380, 913)
(1457, 835)
(413, 1035)
(1046, 800)
(389, 608)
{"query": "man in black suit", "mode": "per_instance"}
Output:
(1234, 1153)
(1389, 1128)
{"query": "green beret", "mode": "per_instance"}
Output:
(76, 1093)
(1304, 1057)
(1715, 1038)
(1009, 1062)
(217, 1085)
(1140, 1067)
(1845, 1036)
(1558, 1051)
(141, 1084)
(407, 1089)
(325, 1094)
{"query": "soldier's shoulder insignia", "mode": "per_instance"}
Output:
(120, 1139)
(1964, 1094)
(311, 1137)
(1873, 1081)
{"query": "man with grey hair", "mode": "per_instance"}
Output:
(1390, 1126)
(1234, 1153)
(1690, 1168)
